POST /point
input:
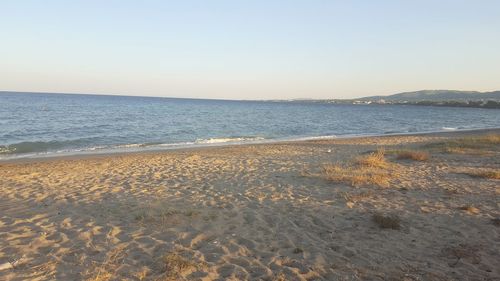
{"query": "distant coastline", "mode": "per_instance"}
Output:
(448, 98)
(489, 104)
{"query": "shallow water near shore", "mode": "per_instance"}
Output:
(34, 125)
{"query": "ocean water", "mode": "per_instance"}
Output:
(36, 125)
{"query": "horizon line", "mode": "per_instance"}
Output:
(222, 99)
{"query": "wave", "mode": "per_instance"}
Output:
(86, 145)
(326, 137)
(130, 145)
(449, 129)
(39, 146)
(226, 140)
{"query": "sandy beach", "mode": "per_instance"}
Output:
(259, 212)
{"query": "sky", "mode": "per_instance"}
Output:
(238, 49)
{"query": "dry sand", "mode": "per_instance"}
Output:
(252, 212)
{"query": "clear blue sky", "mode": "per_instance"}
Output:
(249, 49)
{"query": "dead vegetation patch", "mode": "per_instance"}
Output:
(279, 277)
(413, 155)
(468, 145)
(487, 174)
(373, 160)
(175, 265)
(356, 176)
(469, 209)
(371, 169)
(387, 221)
(107, 269)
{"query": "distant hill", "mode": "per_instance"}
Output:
(449, 98)
(437, 95)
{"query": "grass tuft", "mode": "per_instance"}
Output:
(106, 271)
(176, 266)
(494, 174)
(356, 176)
(470, 209)
(370, 169)
(176, 263)
(373, 160)
(413, 155)
(387, 221)
(471, 145)
(279, 277)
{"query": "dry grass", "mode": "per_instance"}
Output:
(279, 277)
(176, 265)
(387, 221)
(413, 155)
(356, 176)
(142, 275)
(470, 209)
(471, 145)
(492, 174)
(370, 169)
(102, 276)
(106, 270)
(373, 160)
(45, 270)
(490, 139)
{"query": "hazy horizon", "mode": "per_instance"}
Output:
(215, 98)
(249, 50)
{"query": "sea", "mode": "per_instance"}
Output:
(45, 124)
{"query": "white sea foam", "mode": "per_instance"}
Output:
(317, 138)
(449, 129)
(225, 140)
(131, 145)
(176, 144)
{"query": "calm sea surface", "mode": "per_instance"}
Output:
(48, 124)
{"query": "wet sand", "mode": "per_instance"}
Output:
(252, 212)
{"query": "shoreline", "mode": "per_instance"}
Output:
(82, 155)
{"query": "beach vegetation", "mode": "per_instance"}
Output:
(175, 265)
(468, 145)
(469, 209)
(413, 155)
(371, 169)
(280, 277)
(142, 274)
(356, 176)
(373, 160)
(487, 174)
(108, 268)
